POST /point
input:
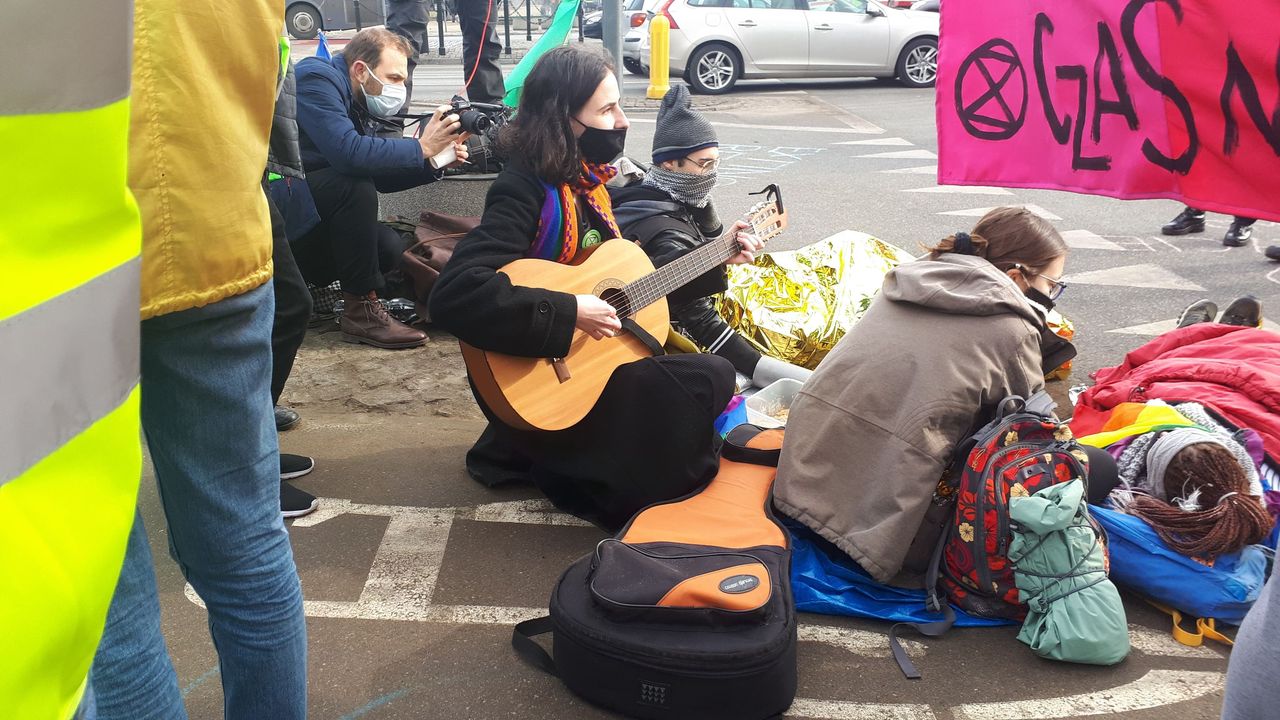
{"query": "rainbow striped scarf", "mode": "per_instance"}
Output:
(558, 233)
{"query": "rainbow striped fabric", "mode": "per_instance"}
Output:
(558, 236)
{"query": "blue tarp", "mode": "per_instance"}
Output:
(1142, 562)
(825, 580)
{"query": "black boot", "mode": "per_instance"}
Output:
(1188, 221)
(1273, 252)
(1240, 233)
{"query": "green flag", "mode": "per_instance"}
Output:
(554, 36)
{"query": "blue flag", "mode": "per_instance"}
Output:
(322, 50)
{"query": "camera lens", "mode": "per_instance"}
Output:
(475, 122)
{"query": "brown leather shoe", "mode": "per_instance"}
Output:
(364, 321)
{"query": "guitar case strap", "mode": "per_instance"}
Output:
(650, 341)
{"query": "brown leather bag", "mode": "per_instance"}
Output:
(437, 235)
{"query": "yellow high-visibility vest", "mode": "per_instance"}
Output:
(70, 454)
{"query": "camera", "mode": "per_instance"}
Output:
(478, 118)
(483, 121)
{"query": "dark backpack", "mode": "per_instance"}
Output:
(1022, 450)
(687, 613)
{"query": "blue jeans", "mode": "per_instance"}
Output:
(206, 412)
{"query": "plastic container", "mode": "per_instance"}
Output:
(775, 399)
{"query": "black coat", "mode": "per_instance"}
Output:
(283, 154)
(604, 468)
(479, 305)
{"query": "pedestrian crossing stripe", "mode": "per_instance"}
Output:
(1087, 240)
(979, 212)
(961, 190)
(917, 170)
(878, 141)
(1161, 327)
(903, 155)
(1145, 275)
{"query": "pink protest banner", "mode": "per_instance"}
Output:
(1133, 99)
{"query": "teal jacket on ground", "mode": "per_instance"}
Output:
(1074, 611)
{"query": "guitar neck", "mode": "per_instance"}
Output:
(765, 223)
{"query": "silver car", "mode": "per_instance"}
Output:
(715, 43)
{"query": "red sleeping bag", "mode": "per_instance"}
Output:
(1232, 370)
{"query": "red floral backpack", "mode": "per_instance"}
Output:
(1024, 449)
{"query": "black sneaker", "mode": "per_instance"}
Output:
(1239, 235)
(1200, 311)
(1243, 311)
(295, 466)
(296, 503)
(1273, 252)
(1188, 221)
(286, 418)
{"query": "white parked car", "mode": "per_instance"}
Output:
(635, 42)
(715, 43)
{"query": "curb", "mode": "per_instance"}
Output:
(702, 103)
(506, 60)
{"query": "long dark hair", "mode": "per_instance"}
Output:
(561, 82)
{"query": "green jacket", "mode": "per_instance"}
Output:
(1074, 611)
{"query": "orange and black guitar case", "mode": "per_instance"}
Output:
(688, 612)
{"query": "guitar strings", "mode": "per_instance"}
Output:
(646, 290)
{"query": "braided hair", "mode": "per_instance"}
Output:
(1204, 475)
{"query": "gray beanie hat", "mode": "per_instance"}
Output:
(681, 129)
(1162, 451)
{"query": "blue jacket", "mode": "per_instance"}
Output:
(337, 134)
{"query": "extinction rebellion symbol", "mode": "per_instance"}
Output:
(985, 104)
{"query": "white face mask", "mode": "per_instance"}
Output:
(386, 104)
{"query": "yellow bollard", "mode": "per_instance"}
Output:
(659, 57)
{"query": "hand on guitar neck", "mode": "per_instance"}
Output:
(749, 242)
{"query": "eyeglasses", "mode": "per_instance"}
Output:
(707, 165)
(1058, 284)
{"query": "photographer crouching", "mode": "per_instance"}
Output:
(340, 102)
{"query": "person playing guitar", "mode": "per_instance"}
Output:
(649, 436)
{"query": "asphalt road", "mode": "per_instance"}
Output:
(413, 574)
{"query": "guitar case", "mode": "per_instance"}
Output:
(687, 612)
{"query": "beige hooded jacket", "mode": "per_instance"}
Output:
(871, 433)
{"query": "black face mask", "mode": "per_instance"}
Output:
(1054, 350)
(1039, 298)
(599, 146)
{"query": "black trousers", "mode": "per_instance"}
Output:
(486, 86)
(648, 439)
(293, 305)
(349, 244)
(1239, 220)
(408, 19)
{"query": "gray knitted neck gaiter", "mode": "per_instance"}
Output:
(694, 190)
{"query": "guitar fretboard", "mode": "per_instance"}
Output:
(765, 223)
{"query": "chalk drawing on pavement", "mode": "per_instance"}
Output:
(751, 162)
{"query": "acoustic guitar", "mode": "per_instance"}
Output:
(556, 393)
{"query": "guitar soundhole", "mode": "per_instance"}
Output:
(618, 299)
